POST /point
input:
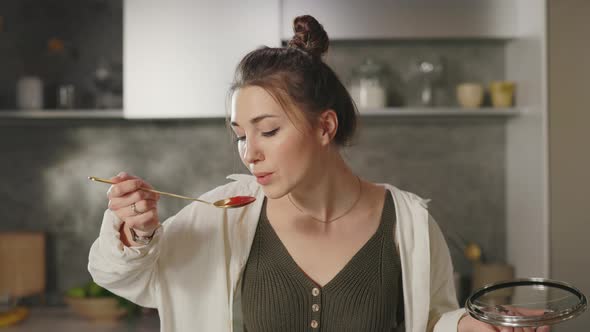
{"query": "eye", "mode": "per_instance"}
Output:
(270, 133)
(240, 138)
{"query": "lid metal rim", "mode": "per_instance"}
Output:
(533, 321)
(519, 321)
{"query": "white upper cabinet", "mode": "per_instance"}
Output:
(384, 19)
(180, 55)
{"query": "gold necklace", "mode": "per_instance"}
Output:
(334, 219)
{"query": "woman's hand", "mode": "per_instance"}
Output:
(135, 207)
(470, 324)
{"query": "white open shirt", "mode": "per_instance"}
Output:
(191, 271)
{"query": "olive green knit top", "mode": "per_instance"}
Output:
(366, 295)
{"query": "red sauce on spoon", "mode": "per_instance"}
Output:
(240, 200)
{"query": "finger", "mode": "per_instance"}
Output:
(144, 206)
(529, 311)
(474, 325)
(145, 222)
(529, 329)
(518, 329)
(128, 186)
(125, 187)
(116, 203)
(149, 186)
(543, 329)
(140, 207)
(122, 176)
(489, 328)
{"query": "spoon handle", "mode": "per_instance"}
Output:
(94, 178)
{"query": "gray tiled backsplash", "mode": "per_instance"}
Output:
(458, 163)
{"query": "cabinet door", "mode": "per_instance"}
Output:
(180, 55)
(384, 19)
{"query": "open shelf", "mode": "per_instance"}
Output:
(441, 111)
(62, 114)
(390, 111)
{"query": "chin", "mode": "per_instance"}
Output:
(274, 191)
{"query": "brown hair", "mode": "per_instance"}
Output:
(296, 76)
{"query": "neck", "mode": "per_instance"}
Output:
(329, 192)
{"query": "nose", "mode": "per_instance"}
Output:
(252, 153)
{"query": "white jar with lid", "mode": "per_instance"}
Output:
(367, 86)
(29, 93)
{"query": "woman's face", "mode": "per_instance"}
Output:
(277, 152)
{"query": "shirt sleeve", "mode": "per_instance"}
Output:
(129, 272)
(444, 313)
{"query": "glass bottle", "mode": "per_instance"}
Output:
(367, 85)
(428, 73)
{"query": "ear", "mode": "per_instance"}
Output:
(327, 126)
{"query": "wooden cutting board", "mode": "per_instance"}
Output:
(22, 263)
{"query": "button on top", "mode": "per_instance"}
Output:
(315, 291)
(314, 324)
(315, 307)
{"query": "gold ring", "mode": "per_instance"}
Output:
(135, 209)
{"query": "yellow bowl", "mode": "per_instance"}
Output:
(502, 93)
(97, 309)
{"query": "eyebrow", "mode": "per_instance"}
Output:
(256, 119)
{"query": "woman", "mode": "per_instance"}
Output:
(320, 248)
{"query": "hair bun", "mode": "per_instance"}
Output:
(310, 36)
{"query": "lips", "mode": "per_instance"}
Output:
(263, 178)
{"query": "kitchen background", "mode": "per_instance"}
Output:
(456, 162)
(460, 162)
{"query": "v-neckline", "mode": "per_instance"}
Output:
(304, 276)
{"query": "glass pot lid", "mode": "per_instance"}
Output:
(528, 302)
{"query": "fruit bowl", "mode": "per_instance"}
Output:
(102, 309)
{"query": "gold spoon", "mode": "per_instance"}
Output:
(226, 203)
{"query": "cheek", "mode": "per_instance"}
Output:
(242, 151)
(293, 152)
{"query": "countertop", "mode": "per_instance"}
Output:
(63, 320)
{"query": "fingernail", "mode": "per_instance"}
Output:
(121, 174)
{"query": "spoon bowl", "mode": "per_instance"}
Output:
(234, 202)
(226, 203)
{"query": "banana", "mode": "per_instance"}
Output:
(13, 316)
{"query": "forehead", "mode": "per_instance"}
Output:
(249, 102)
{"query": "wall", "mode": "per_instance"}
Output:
(458, 162)
(569, 161)
(527, 176)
